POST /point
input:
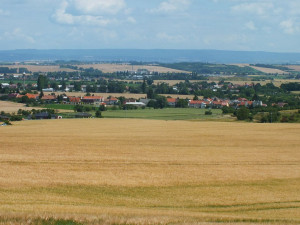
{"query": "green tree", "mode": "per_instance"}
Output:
(98, 114)
(182, 103)
(243, 113)
(42, 82)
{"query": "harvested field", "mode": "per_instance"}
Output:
(43, 69)
(110, 68)
(294, 67)
(118, 171)
(12, 107)
(276, 82)
(263, 69)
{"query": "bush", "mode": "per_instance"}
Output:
(98, 114)
(7, 122)
(242, 113)
(16, 118)
(208, 113)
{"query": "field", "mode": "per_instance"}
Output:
(127, 171)
(106, 68)
(43, 69)
(12, 107)
(126, 95)
(167, 114)
(110, 68)
(264, 69)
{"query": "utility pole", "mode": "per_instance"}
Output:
(271, 116)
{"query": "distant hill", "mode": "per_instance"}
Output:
(158, 55)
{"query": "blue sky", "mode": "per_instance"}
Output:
(261, 25)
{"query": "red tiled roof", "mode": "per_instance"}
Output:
(74, 99)
(171, 100)
(48, 97)
(195, 102)
(32, 96)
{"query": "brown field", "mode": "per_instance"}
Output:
(294, 67)
(43, 69)
(12, 107)
(110, 68)
(276, 82)
(118, 171)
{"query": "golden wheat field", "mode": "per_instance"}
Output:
(122, 171)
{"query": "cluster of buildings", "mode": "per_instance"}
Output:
(99, 100)
(218, 103)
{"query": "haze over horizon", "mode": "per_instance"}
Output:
(237, 25)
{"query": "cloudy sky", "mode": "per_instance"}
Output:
(263, 25)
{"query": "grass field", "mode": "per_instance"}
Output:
(117, 171)
(166, 114)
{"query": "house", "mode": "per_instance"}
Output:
(48, 90)
(171, 101)
(13, 95)
(74, 100)
(197, 104)
(49, 98)
(92, 99)
(138, 104)
(42, 115)
(4, 85)
(32, 96)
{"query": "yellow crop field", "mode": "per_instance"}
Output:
(129, 171)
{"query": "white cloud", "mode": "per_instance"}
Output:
(89, 12)
(99, 7)
(289, 26)
(18, 34)
(171, 6)
(250, 25)
(258, 8)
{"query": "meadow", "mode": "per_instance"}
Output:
(128, 171)
(166, 114)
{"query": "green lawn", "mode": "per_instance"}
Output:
(163, 114)
(59, 106)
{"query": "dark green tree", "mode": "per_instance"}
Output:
(242, 113)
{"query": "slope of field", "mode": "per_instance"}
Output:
(110, 68)
(118, 171)
(13, 107)
(263, 69)
(294, 67)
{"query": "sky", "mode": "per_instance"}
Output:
(241, 25)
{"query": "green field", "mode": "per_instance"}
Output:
(164, 114)
(59, 106)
